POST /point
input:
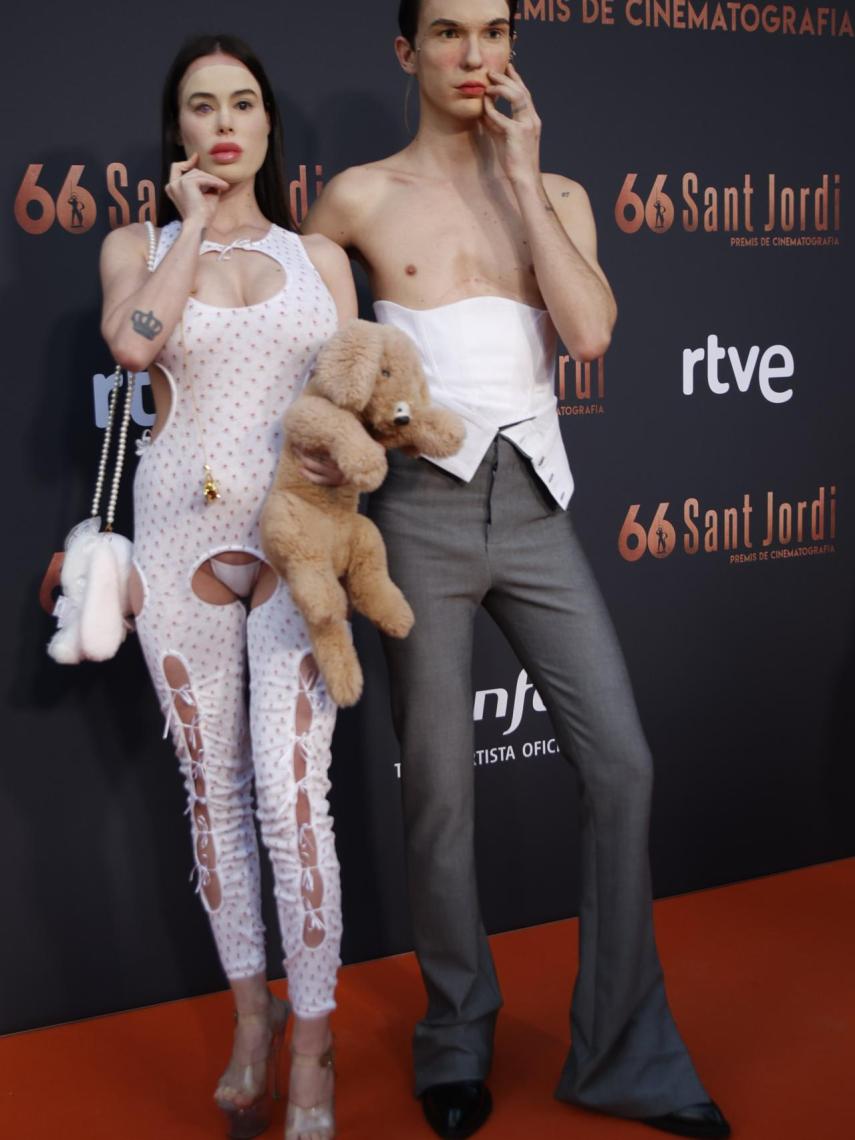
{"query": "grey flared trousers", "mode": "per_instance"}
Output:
(499, 542)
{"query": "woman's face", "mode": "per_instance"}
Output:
(221, 117)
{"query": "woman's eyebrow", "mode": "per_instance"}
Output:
(234, 94)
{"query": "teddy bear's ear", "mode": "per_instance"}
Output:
(346, 367)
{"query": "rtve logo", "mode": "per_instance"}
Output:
(776, 363)
(101, 388)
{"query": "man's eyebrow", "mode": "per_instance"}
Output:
(444, 23)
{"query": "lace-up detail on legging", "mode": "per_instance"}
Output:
(291, 728)
(246, 366)
(291, 721)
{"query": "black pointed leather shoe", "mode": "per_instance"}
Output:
(705, 1121)
(458, 1109)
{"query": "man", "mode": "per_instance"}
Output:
(467, 245)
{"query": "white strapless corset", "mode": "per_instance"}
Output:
(489, 353)
(492, 360)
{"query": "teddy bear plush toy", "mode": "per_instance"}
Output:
(367, 394)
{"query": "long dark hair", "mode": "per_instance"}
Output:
(270, 180)
(408, 18)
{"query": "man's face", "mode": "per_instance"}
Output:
(459, 42)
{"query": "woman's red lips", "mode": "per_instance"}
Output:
(472, 88)
(226, 151)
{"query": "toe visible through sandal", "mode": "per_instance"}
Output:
(318, 1121)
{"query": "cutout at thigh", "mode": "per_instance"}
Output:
(215, 584)
(312, 884)
(265, 586)
(187, 711)
(136, 592)
(239, 577)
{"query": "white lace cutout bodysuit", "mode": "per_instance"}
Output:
(232, 373)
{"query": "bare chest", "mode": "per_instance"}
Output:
(430, 247)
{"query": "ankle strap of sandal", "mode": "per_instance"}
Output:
(325, 1060)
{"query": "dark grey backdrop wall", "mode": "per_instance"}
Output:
(681, 119)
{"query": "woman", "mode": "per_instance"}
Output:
(226, 307)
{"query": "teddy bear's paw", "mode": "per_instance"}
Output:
(369, 472)
(344, 682)
(396, 620)
(336, 657)
(318, 593)
(439, 433)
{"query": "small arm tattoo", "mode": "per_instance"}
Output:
(146, 324)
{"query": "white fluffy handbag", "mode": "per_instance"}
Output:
(96, 568)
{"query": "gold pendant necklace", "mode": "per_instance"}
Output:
(210, 486)
(210, 489)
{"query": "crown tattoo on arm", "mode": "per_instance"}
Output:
(146, 324)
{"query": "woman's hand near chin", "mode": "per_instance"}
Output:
(128, 286)
(194, 193)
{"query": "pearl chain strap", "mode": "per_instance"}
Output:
(121, 445)
(120, 451)
(105, 446)
(152, 246)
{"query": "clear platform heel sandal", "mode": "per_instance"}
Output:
(245, 1095)
(317, 1122)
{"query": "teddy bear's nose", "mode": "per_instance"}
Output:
(402, 414)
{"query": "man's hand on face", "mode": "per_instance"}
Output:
(518, 135)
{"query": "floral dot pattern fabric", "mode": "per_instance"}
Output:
(232, 374)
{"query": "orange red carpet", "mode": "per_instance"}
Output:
(761, 976)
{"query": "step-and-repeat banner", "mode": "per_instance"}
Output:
(711, 449)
